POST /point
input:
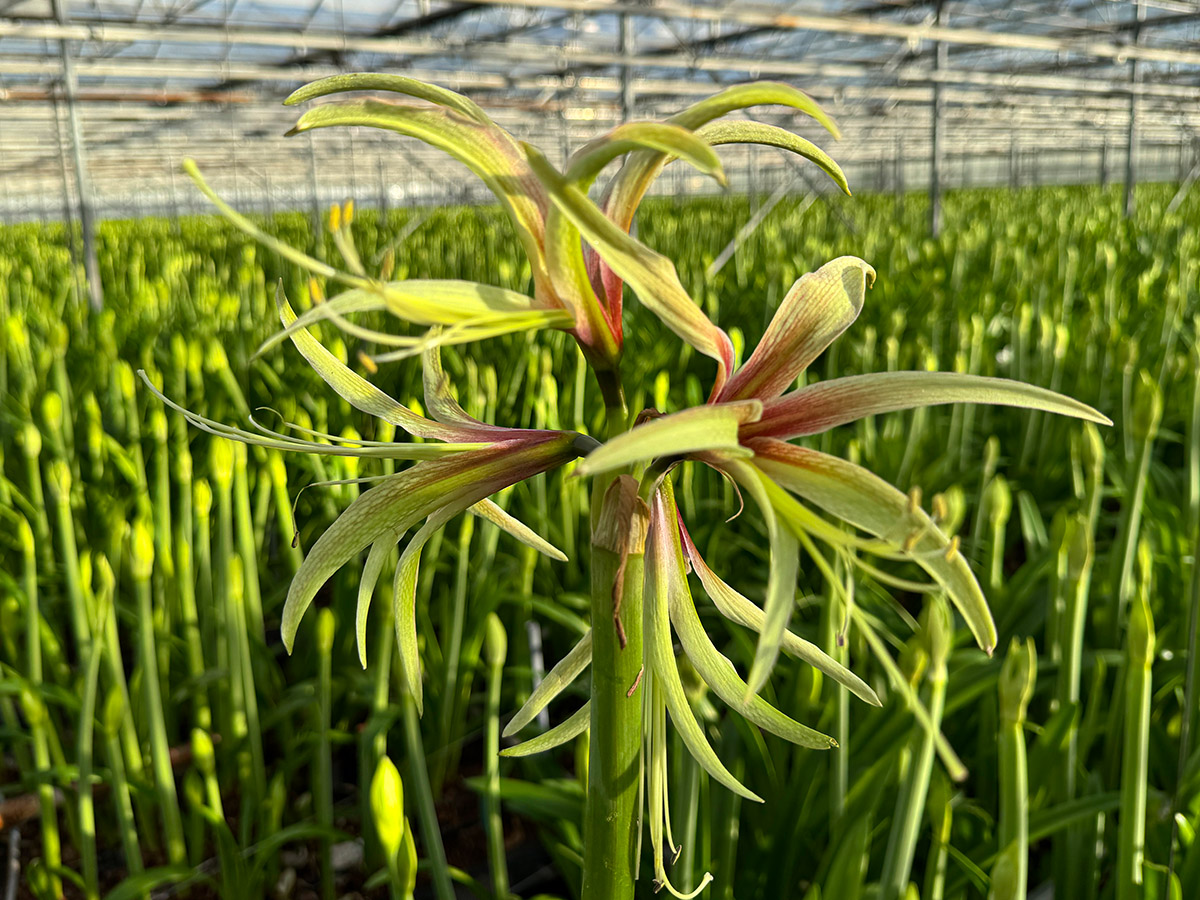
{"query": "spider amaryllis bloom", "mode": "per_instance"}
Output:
(744, 432)
(575, 288)
(469, 462)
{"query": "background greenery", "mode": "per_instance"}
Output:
(1047, 285)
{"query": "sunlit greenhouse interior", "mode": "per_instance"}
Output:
(599, 449)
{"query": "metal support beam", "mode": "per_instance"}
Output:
(83, 193)
(626, 49)
(938, 149)
(1131, 144)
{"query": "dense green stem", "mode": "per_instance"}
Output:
(614, 765)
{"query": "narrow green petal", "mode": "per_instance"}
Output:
(556, 681)
(661, 661)
(486, 149)
(366, 590)
(864, 500)
(772, 136)
(397, 84)
(587, 162)
(488, 510)
(651, 275)
(576, 725)
(394, 506)
(714, 669)
(827, 404)
(818, 308)
(404, 605)
(630, 184)
(781, 580)
(439, 399)
(711, 427)
(398, 501)
(736, 607)
(246, 226)
(372, 449)
(355, 389)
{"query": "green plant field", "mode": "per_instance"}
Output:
(154, 732)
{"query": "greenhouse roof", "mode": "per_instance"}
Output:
(150, 82)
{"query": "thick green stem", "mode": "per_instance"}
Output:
(614, 764)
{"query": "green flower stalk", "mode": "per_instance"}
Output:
(582, 255)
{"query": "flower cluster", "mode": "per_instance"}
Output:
(582, 255)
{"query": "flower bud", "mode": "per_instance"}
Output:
(495, 641)
(387, 807)
(141, 550)
(1017, 677)
(1147, 408)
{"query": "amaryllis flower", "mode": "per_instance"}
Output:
(574, 288)
(470, 461)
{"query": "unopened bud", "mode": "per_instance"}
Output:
(1147, 408)
(1017, 677)
(495, 641)
(387, 807)
(999, 501)
(141, 550)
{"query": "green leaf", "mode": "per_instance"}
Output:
(141, 884)
(650, 274)
(772, 136)
(827, 404)
(864, 500)
(556, 680)
(576, 725)
(660, 660)
(714, 669)
(736, 607)
(711, 427)
(818, 308)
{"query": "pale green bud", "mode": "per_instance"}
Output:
(495, 641)
(1017, 677)
(1147, 408)
(141, 550)
(387, 807)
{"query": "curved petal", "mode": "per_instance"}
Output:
(564, 731)
(397, 84)
(827, 404)
(868, 502)
(399, 501)
(713, 667)
(484, 147)
(359, 392)
(781, 577)
(737, 608)
(660, 660)
(772, 136)
(711, 427)
(556, 681)
(650, 274)
(366, 590)
(818, 308)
